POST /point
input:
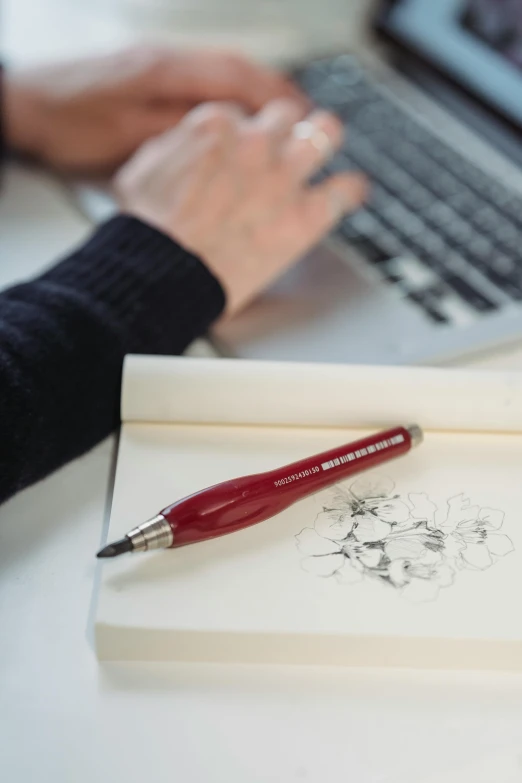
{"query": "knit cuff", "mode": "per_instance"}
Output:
(159, 296)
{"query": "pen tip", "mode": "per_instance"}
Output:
(116, 548)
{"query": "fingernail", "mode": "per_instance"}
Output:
(344, 200)
(362, 187)
(338, 204)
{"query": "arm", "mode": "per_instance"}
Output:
(131, 288)
(222, 187)
(63, 337)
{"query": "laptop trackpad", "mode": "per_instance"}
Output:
(324, 309)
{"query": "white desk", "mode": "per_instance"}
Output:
(65, 720)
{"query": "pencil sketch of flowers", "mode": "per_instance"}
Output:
(367, 531)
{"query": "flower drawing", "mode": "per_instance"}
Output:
(367, 531)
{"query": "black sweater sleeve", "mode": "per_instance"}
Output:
(63, 336)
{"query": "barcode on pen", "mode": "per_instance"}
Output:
(353, 455)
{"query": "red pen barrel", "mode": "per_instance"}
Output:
(239, 503)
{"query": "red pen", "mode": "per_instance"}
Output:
(239, 503)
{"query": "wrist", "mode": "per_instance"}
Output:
(23, 117)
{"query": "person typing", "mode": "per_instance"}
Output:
(212, 158)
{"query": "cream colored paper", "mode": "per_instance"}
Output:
(228, 391)
(251, 596)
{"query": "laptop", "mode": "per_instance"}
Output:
(430, 270)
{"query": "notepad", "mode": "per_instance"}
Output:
(427, 573)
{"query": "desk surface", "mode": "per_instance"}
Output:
(63, 718)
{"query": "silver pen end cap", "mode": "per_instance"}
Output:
(416, 435)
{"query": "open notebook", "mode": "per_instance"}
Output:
(432, 578)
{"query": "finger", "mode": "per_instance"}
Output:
(276, 120)
(212, 120)
(322, 206)
(203, 140)
(262, 137)
(312, 144)
(212, 115)
(144, 123)
(216, 76)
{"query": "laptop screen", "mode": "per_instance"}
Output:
(476, 42)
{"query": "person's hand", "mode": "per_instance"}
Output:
(92, 114)
(234, 190)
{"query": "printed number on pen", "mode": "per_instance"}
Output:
(296, 477)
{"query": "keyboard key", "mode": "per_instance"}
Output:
(414, 275)
(504, 265)
(471, 295)
(510, 240)
(509, 281)
(439, 213)
(374, 251)
(429, 304)
(457, 310)
(417, 197)
(430, 244)
(363, 223)
(502, 231)
(371, 251)
(464, 202)
(457, 232)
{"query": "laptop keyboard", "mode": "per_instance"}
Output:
(440, 229)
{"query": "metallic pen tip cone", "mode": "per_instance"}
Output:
(416, 435)
(116, 548)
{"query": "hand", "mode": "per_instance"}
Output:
(234, 190)
(91, 115)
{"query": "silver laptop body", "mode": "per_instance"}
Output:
(431, 270)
